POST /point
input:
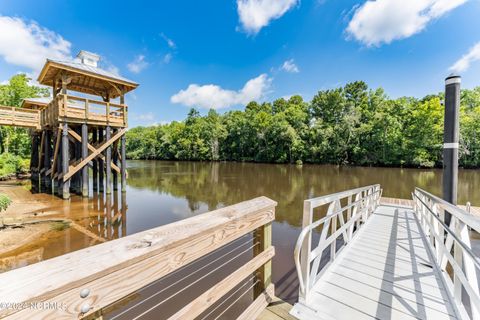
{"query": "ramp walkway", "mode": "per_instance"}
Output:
(370, 261)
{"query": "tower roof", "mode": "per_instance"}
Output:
(85, 76)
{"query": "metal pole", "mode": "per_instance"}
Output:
(451, 138)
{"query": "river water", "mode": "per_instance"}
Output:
(161, 192)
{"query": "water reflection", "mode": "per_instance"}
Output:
(161, 192)
(88, 222)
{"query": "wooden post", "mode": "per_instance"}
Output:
(34, 162)
(263, 236)
(124, 214)
(59, 166)
(100, 162)
(46, 162)
(115, 162)
(94, 162)
(78, 157)
(108, 164)
(84, 155)
(124, 163)
(65, 162)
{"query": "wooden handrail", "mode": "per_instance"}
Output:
(115, 269)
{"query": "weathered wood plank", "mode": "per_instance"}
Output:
(119, 267)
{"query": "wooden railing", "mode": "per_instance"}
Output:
(451, 246)
(358, 205)
(19, 117)
(86, 281)
(80, 110)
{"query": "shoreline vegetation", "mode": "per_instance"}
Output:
(351, 125)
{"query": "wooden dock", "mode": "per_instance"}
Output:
(387, 259)
(409, 203)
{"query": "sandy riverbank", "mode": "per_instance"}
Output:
(34, 223)
(28, 217)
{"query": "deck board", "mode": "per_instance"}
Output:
(386, 272)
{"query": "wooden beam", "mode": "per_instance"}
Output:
(94, 154)
(91, 148)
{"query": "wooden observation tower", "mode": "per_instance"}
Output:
(73, 133)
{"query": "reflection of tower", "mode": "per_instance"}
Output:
(110, 215)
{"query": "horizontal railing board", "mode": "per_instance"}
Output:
(119, 267)
(212, 295)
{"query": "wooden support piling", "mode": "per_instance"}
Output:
(100, 162)
(124, 163)
(48, 160)
(84, 155)
(65, 162)
(108, 160)
(94, 162)
(115, 162)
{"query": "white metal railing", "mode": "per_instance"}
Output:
(451, 245)
(359, 204)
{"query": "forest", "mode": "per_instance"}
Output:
(350, 125)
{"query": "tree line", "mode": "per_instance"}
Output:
(350, 125)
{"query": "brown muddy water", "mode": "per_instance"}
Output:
(161, 192)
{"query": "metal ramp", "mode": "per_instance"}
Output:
(375, 261)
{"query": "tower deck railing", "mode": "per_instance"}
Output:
(72, 109)
(19, 117)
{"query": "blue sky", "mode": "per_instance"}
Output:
(223, 53)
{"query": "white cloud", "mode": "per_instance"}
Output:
(383, 21)
(467, 59)
(167, 58)
(144, 117)
(213, 96)
(28, 44)
(138, 64)
(290, 66)
(256, 14)
(169, 41)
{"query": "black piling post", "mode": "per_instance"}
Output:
(451, 138)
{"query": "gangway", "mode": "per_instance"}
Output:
(366, 260)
